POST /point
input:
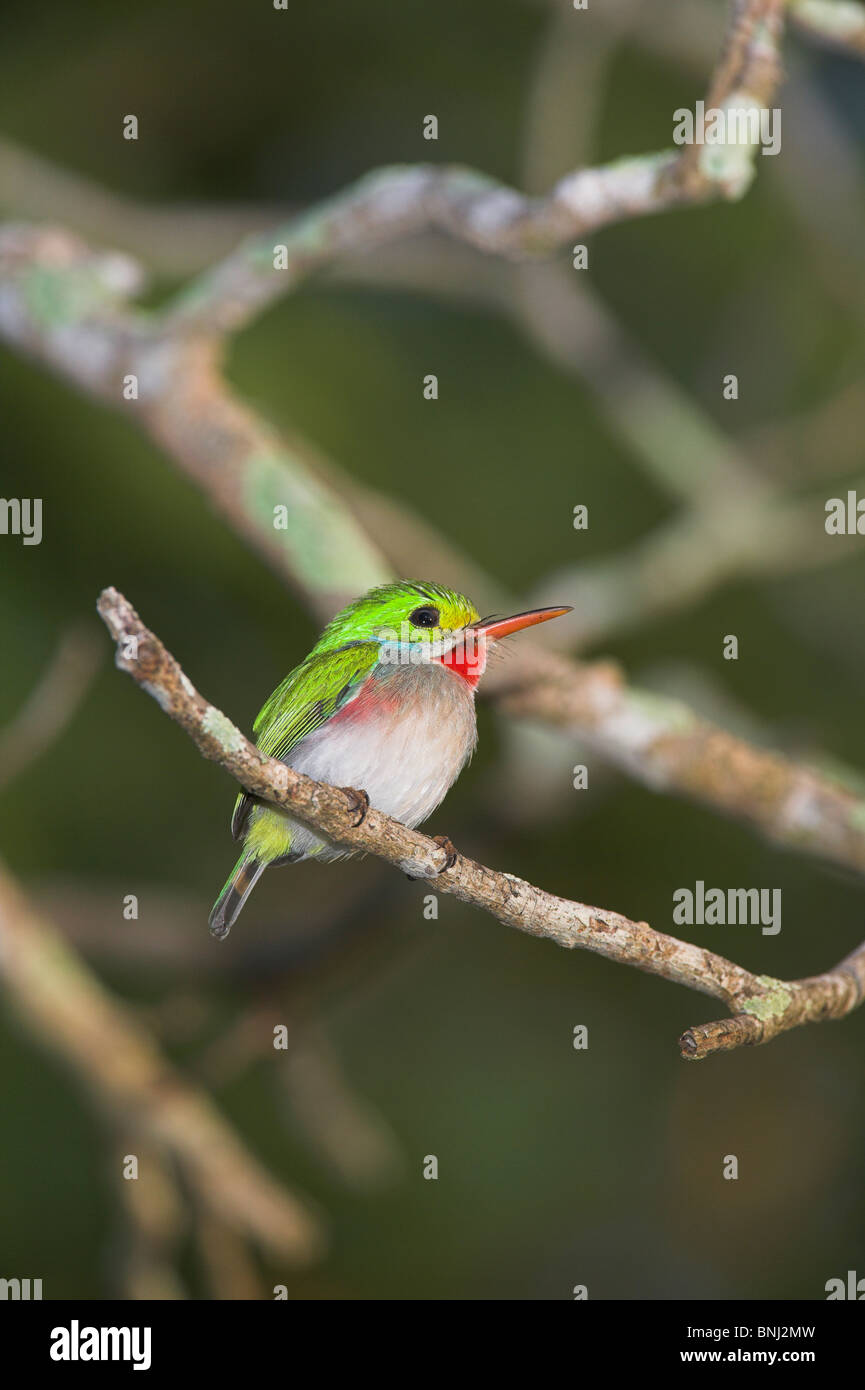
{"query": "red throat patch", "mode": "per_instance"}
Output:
(467, 660)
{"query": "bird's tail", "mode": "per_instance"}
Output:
(241, 881)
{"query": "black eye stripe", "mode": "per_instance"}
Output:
(425, 617)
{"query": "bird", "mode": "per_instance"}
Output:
(384, 706)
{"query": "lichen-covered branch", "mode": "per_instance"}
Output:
(762, 1007)
(63, 304)
(394, 203)
(746, 77)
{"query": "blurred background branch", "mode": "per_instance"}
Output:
(70, 1012)
(838, 23)
(53, 702)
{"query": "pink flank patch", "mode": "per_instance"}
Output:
(371, 702)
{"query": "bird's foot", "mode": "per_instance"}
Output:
(450, 850)
(445, 843)
(358, 805)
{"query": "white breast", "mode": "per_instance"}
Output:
(405, 750)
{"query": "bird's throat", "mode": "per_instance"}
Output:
(467, 664)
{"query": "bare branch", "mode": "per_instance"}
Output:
(763, 1007)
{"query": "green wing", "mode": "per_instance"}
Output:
(306, 699)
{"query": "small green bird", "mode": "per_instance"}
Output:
(383, 703)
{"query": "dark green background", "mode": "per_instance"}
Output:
(556, 1167)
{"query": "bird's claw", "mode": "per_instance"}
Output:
(450, 850)
(358, 804)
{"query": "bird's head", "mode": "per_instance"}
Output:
(415, 622)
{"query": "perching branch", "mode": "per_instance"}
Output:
(246, 468)
(762, 1007)
(64, 304)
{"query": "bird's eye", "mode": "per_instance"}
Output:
(425, 617)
